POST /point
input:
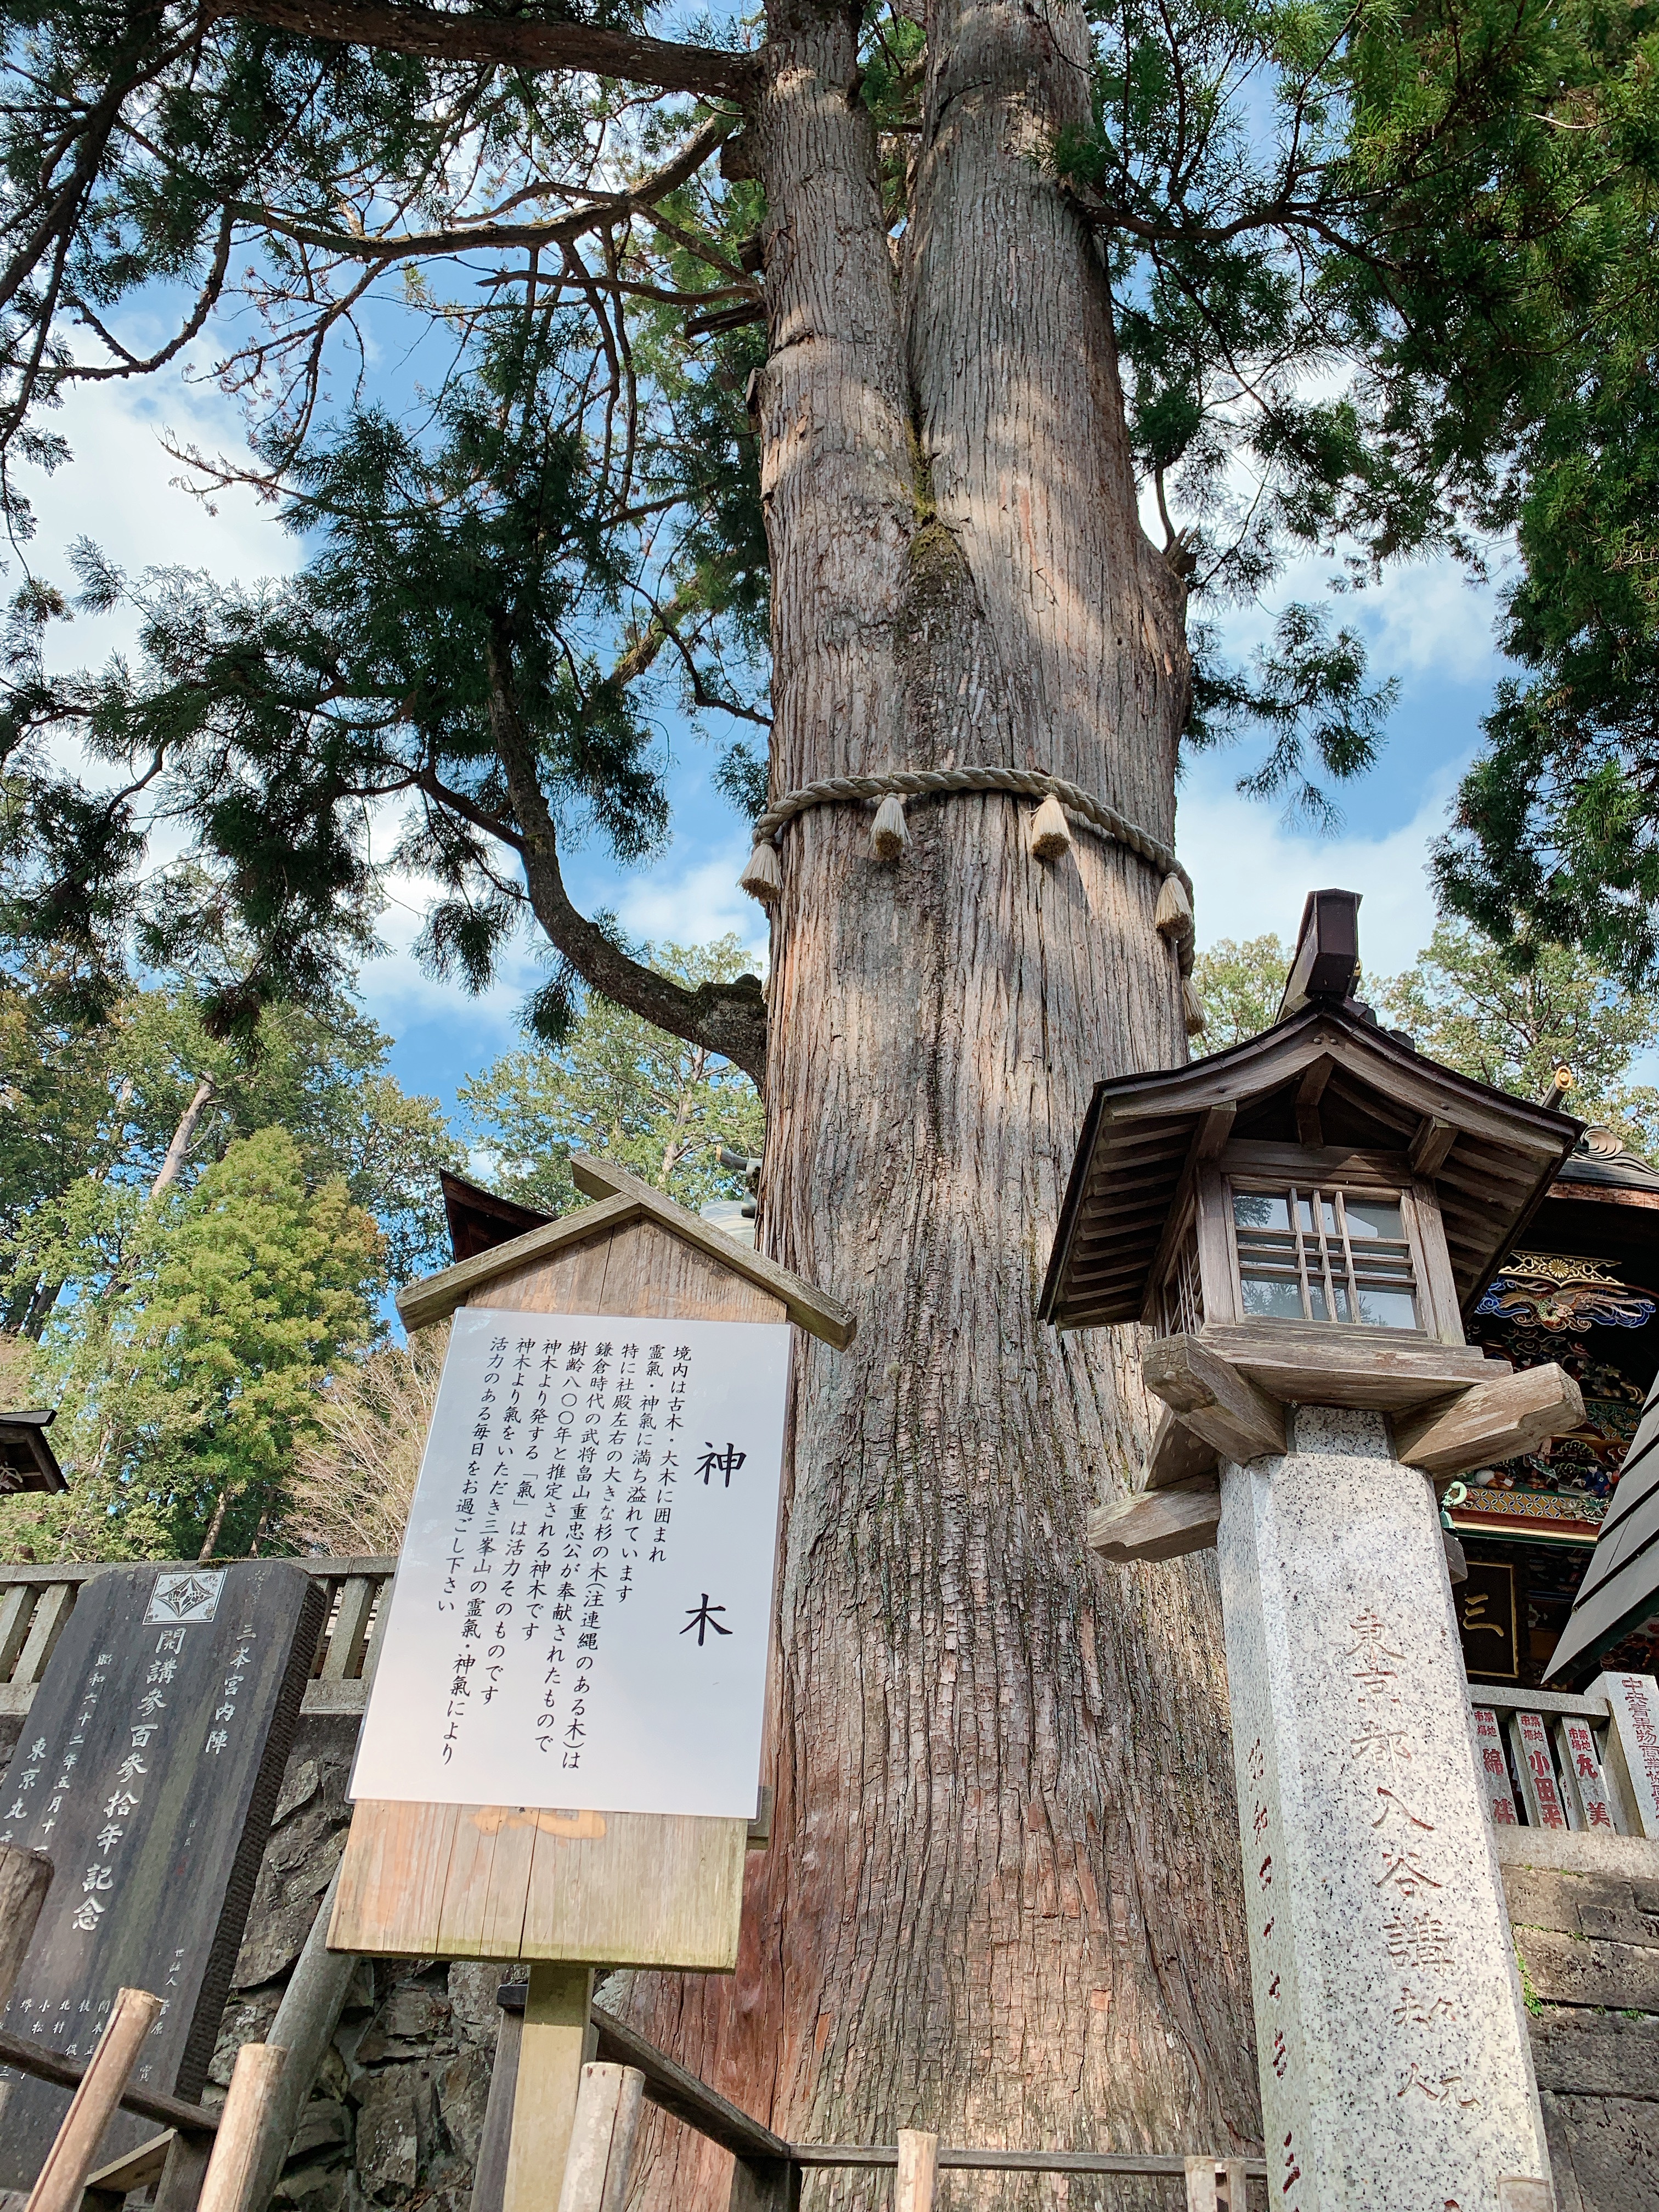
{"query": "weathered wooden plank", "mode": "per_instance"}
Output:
(391, 1879)
(568, 1281)
(623, 1198)
(136, 2169)
(74, 2150)
(344, 1657)
(1437, 1279)
(464, 1909)
(1214, 1399)
(49, 1620)
(1158, 1524)
(1310, 1129)
(1496, 1420)
(436, 1297)
(1430, 1146)
(508, 1900)
(635, 1889)
(1177, 1456)
(552, 2049)
(1309, 1364)
(16, 1609)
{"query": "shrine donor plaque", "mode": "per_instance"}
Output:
(147, 1770)
(583, 1603)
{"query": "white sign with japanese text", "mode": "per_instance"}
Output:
(583, 1604)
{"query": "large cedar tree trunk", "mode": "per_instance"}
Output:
(1002, 1896)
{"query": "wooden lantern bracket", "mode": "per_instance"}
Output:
(1449, 1411)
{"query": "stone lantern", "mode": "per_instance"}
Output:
(1301, 1221)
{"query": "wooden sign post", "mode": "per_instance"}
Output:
(558, 1880)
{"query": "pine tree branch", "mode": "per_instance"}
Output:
(729, 1018)
(461, 35)
(463, 238)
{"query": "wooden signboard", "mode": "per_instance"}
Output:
(147, 1770)
(573, 1886)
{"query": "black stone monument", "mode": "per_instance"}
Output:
(148, 1771)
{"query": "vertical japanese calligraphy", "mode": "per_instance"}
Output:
(1583, 1766)
(1409, 1867)
(148, 1771)
(1496, 1791)
(1390, 2035)
(590, 1483)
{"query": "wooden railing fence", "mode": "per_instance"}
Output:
(36, 1602)
(1550, 1759)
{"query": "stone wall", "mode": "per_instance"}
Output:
(396, 2116)
(1587, 1937)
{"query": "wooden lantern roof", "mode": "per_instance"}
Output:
(27, 1462)
(1491, 1157)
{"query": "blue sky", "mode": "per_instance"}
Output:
(1425, 625)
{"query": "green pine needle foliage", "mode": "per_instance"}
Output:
(190, 1380)
(624, 1090)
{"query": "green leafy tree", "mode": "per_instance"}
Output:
(185, 1388)
(1556, 828)
(811, 380)
(1239, 987)
(621, 1088)
(1465, 1005)
(100, 1114)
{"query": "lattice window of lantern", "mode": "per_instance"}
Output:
(1313, 1254)
(1183, 1294)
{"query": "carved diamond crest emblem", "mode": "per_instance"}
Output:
(185, 1597)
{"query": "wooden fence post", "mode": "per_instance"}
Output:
(489, 2173)
(553, 2044)
(918, 2170)
(180, 2185)
(764, 2184)
(305, 2024)
(1215, 2184)
(24, 1877)
(601, 2139)
(59, 2185)
(243, 2125)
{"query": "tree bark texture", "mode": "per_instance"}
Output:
(1002, 1897)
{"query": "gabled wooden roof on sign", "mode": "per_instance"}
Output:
(1500, 1154)
(623, 1198)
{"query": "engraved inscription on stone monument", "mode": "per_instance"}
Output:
(148, 1771)
(1395, 2063)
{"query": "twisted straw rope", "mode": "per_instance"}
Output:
(1024, 782)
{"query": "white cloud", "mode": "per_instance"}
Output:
(122, 490)
(1423, 617)
(694, 897)
(1427, 618)
(1252, 873)
(687, 901)
(398, 992)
